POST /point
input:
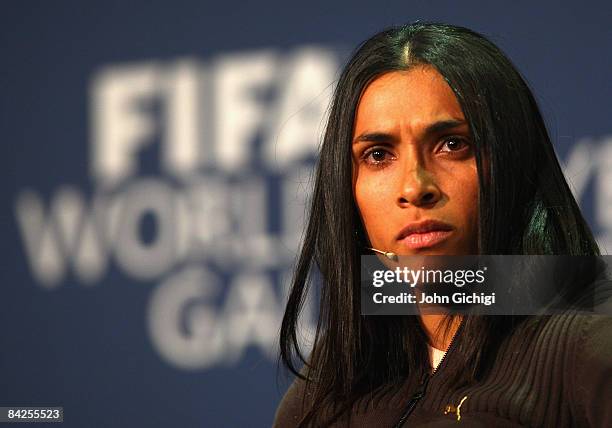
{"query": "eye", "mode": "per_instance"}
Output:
(377, 156)
(455, 144)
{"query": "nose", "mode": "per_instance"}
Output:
(418, 187)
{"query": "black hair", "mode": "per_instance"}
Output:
(525, 207)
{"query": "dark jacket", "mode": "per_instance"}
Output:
(558, 374)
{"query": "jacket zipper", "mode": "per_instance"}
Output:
(423, 386)
(413, 401)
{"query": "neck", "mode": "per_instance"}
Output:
(439, 332)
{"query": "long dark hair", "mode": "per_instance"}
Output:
(526, 207)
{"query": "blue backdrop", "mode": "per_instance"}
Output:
(156, 159)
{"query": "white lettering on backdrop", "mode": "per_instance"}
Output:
(234, 140)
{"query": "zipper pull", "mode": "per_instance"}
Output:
(420, 392)
(422, 387)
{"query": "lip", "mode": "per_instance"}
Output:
(424, 234)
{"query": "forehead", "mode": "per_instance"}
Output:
(416, 96)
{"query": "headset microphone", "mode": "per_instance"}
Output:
(387, 254)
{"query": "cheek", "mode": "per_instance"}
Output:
(467, 193)
(372, 198)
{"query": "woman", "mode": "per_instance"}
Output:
(435, 145)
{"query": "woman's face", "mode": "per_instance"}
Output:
(415, 180)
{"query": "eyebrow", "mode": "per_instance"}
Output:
(434, 128)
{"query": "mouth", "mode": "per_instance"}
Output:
(424, 234)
